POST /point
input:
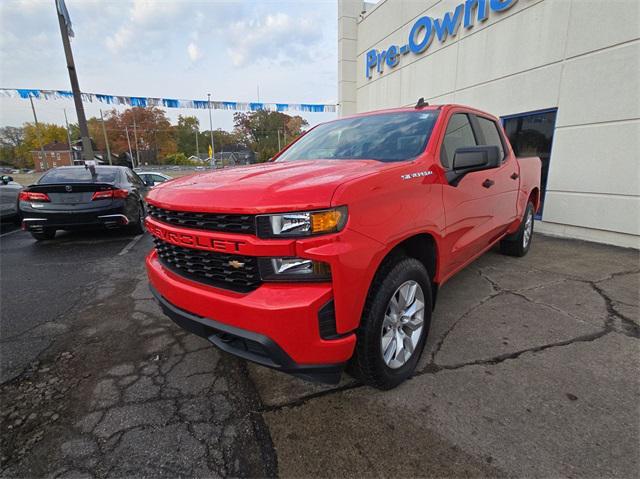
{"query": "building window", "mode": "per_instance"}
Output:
(531, 134)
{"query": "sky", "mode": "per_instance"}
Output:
(233, 49)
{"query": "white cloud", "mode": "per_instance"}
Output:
(120, 39)
(277, 37)
(194, 52)
(147, 19)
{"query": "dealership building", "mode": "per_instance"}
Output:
(563, 75)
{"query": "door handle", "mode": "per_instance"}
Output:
(515, 176)
(488, 183)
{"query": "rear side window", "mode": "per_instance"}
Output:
(459, 134)
(134, 179)
(490, 134)
(79, 175)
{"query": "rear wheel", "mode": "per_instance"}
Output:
(46, 234)
(137, 227)
(519, 243)
(394, 325)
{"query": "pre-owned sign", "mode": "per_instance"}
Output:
(425, 28)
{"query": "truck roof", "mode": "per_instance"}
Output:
(444, 106)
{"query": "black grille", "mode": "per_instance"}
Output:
(206, 221)
(210, 267)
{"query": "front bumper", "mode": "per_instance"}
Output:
(276, 325)
(248, 345)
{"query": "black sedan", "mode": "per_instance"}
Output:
(77, 197)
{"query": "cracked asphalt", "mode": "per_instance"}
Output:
(531, 369)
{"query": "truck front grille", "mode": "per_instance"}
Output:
(210, 267)
(245, 224)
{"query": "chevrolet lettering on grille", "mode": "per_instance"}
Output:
(194, 240)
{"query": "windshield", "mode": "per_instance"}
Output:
(79, 175)
(384, 137)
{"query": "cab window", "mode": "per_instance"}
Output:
(459, 134)
(490, 135)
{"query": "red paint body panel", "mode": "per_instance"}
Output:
(384, 209)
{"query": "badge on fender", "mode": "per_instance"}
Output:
(416, 175)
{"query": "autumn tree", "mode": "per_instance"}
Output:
(267, 131)
(153, 131)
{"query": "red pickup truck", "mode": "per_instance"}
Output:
(331, 254)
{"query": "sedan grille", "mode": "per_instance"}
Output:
(210, 267)
(206, 221)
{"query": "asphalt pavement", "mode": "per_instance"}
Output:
(530, 370)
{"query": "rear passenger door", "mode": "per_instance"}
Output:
(470, 207)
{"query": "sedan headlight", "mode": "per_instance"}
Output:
(293, 269)
(304, 223)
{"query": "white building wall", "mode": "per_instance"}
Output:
(580, 56)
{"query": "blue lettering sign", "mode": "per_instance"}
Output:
(449, 24)
(426, 24)
(425, 28)
(483, 13)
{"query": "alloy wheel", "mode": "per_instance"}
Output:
(402, 325)
(528, 230)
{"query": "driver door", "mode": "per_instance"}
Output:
(469, 207)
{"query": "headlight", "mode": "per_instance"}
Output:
(305, 223)
(293, 269)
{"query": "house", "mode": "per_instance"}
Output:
(56, 154)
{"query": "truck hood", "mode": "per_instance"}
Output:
(263, 188)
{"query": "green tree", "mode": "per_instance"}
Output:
(11, 138)
(186, 130)
(265, 131)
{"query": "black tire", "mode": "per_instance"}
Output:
(137, 226)
(367, 363)
(47, 234)
(518, 244)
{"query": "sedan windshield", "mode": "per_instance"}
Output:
(383, 137)
(79, 175)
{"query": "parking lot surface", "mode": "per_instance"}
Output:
(530, 369)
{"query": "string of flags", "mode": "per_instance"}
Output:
(166, 102)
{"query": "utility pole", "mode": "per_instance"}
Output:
(126, 130)
(66, 122)
(279, 147)
(213, 149)
(106, 140)
(135, 139)
(35, 119)
(197, 147)
(65, 31)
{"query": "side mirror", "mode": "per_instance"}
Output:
(149, 183)
(474, 158)
(7, 179)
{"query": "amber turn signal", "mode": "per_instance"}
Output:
(328, 221)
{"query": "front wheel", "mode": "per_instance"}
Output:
(395, 324)
(519, 243)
